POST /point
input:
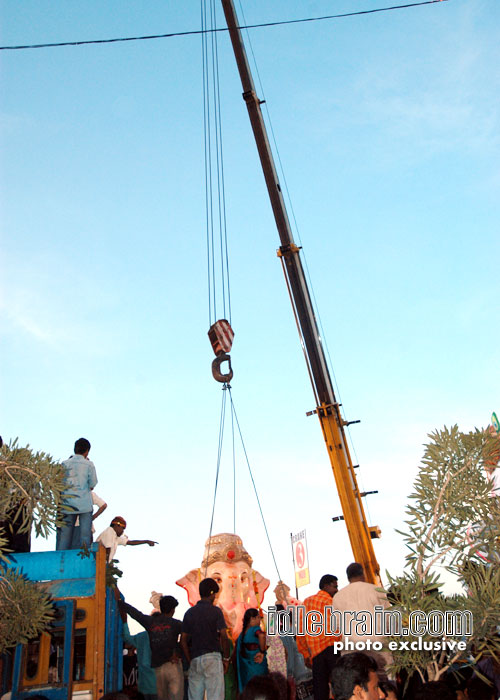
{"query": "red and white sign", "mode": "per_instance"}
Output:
(299, 545)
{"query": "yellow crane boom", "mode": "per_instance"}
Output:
(327, 408)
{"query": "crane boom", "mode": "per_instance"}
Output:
(327, 407)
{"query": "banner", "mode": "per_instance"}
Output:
(299, 546)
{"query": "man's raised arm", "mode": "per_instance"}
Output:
(136, 542)
(144, 620)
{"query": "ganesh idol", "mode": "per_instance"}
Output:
(241, 587)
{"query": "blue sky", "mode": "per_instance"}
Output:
(388, 130)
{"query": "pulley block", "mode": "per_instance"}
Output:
(221, 336)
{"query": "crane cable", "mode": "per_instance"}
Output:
(233, 411)
(218, 281)
(219, 291)
(226, 389)
(219, 454)
(234, 468)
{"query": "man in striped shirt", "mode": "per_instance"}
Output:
(318, 651)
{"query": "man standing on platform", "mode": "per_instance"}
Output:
(81, 478)
(204, 638)
(318, 650)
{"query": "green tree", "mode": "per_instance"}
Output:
(31, 490)
(25, 610)
(453, 523)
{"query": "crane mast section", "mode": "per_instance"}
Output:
(347, 487)
(316, 358)
(327, 406)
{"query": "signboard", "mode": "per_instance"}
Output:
(299, 546)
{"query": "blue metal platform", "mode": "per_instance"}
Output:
(67, 574)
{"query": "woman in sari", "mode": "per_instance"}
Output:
(250, 649)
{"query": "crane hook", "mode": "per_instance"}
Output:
(216, 372)
(221, 338)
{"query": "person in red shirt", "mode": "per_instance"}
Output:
(318, 650)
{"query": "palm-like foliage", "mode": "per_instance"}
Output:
(31, 490)
(453, 521)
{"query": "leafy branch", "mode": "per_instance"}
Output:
(452, 517)
(25, 610)
(32, 485)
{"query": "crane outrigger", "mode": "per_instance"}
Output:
(327, 406)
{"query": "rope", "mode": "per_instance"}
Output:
(215, 205)
(253, 482)
(219, 453)
(234, 473)
(234, 418)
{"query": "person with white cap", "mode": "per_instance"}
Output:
(114, 535)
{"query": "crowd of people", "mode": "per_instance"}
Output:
(193, 659)
(196, 658)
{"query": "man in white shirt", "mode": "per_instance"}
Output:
(114, 535)
(362, 596)
(101, 507)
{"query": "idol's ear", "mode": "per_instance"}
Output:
(190, 583)
(262, 585)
